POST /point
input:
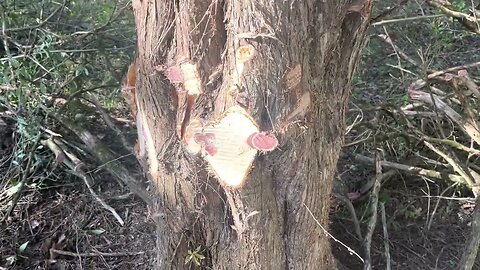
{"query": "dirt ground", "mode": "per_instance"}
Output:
(423, 232)
(66, 217)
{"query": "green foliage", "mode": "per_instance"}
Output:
(410, 213)
(384, 197)
(460, 5)
(20, 251)
(97, 231)
(442, 37)
(48, 51)
(72, 51)
(194, 256)
(53, 49)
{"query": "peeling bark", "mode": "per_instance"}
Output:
(282, 64)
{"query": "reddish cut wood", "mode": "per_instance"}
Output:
(262, 141)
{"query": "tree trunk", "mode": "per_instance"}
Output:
(240, 114)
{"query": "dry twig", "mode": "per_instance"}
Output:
(76, 166)
(385, 237)
(111, 125)
(350, 250)
(96, 254)
(24, 180)
(374, 204)
(414, 170)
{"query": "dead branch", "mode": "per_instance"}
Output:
(408, 19)
(420, 83)
(468, 127)
(350, 250)
(471, 22)
(388, 11)
(104, 156)
(385, 37)
(414, 170)
(353, 213)
(111, 125)
(385, 237)
(96, 254)
(24, 180)
(76, 166)
(374, 205)
(456, 167)
(453, 144)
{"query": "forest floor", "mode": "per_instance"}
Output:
(428, 221)
(426, 228)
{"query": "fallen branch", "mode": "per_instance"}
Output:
(470, 22)
(374, 207)
(111, 125)
(96, 254)
(104, 156)
(420, 83)
(111, 164)
(353, 213)
(385, 237)
(414, 170)
(468, 127)
(24, 180)
(465, 174)
(76, 166)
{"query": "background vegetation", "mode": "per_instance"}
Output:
(66, 137)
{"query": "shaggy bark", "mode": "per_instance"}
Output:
(295, 86)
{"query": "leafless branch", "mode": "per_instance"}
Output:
(414, 170)
(389, 11)
(76, 166)
(367, 242)
(42, 23)
(23, 181)
(385, 237)
(350, 250)
(95, 254)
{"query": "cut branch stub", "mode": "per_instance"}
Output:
(262, 141)
(174, 75)
(207, 140)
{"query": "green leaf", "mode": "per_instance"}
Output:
(188, 258)
(14, 189)
(199, 256)
(11, 259)
(23, 247)
(97, 231)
